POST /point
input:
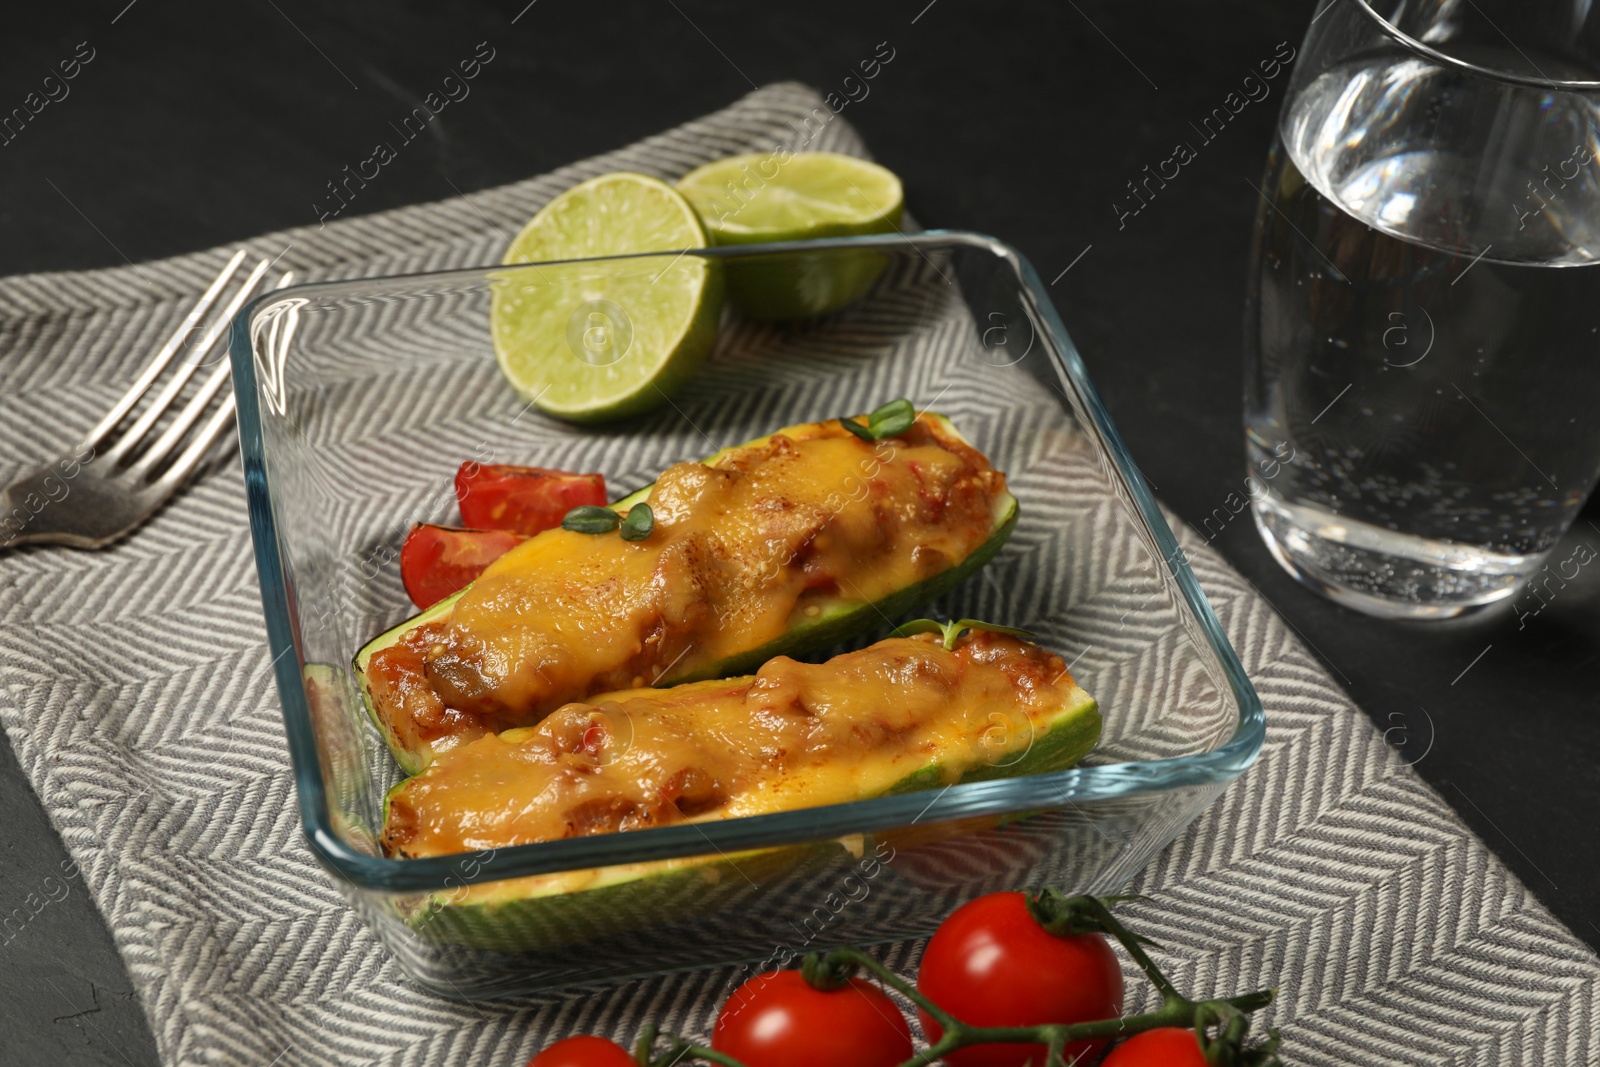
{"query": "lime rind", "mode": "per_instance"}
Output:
(758, 198)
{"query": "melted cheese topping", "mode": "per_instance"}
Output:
(745, 547)
(793, 735)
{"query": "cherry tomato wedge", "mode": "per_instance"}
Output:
(584, 1051)
(1168, 1046)
(436, 561)
(777, 1019)
(991, 964)
(526, 500)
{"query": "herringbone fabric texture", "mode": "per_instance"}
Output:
(139, 699)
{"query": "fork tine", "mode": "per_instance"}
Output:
(191, 412)
(163, 355)
(208, 340)
(191, 457)
(180, 426)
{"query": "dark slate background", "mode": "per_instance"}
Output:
(198, 124)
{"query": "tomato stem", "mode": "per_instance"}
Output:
(856, 958)
(1054, 1052)
(677, 1051)
(1178, 1014)
(825, 973)
(1063, 915)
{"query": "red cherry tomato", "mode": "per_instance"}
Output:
(1169, 1046)
(584, 1051)
(527, 500)
(777, 1020)
(436, 561)
(991, 964)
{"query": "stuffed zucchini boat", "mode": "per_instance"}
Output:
(781, 546)
(904, 713)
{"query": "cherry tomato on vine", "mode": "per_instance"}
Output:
(584, 1050)
(777, 1019)
(1169, 1046)
(991, 964)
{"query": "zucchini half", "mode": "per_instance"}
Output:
(543, 913)
(833, 624)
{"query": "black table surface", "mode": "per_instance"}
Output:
(195, 124)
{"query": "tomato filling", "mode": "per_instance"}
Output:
(793, 735)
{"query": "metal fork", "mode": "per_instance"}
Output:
(111, 482)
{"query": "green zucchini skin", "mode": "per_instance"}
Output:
(1072, 735)
(674, 890)
(410, 762)
(831, 626)
(558, 920)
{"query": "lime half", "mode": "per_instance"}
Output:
(763, 197)
(595, 341)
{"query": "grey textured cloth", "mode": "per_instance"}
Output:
(139, 699)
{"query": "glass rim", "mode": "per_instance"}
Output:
(1072, 787)
(1445, 59)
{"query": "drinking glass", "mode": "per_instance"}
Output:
(1422, 334)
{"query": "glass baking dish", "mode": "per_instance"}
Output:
(358, 400)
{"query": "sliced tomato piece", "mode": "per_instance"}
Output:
(528, 500)
(436, 561)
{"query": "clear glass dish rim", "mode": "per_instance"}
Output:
(1074, 786)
